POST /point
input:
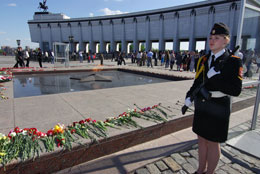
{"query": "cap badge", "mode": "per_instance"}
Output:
(213, 31)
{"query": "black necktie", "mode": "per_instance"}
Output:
(212, 61)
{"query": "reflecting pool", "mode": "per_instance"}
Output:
(43, 84)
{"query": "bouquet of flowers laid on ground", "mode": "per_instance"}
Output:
(4, 144)
(59, 135)
(148, 113)
(5, 79)
(124, 119)
(22, 143)
(5, 75)
(1, 93)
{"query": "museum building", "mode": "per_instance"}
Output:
(188, 24)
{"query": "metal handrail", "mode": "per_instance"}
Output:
(256, 107)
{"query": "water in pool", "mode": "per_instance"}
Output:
(43, 84)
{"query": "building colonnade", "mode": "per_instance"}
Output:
(189, 24)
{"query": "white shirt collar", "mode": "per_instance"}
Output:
(218, 54)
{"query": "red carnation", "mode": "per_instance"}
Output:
(38, 133)
(73, 131)
(26, 129)
(33, 129)
(17, 130)
(50, 133)
(81, 122)
(88, 120)
(74, 123)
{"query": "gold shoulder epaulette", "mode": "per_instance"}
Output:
(235, 57)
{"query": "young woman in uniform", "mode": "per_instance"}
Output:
(222, 74)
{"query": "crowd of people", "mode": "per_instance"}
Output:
(36, 55)
(185, 60)
(182, 60)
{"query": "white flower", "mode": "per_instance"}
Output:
(62, 126)
(13, 134)
(24, 132)
(43, 134)
(2, 135)
(130, 110)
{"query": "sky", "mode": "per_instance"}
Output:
(16, 13)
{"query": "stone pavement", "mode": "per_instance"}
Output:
(232, 161)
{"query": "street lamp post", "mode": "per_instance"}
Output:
(18, 42)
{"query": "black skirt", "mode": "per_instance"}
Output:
(211, 118)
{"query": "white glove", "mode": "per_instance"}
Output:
(188, 102)
(212, 72)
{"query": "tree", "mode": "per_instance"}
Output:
(142, 47)
(131, 48)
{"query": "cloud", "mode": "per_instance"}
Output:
(12, 5)
(91, 14)
(2, 32)
(107, 11)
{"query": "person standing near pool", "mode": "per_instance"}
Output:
(221, 72)
(39, 56)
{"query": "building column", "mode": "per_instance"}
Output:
(40, 42)
(71, 46)
(101, 41)
(257, 44)
(211, 14)
(240, 23)
(60, 33)
(81, 45)
(123, 42)
(91, 43)
(50, 39)
(192, 30)
(161, 36)
(232, 11)
(147, 37)
(112, 40)
(69, 25)
(176, 41)
(135, 42)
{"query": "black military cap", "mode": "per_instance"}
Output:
(220, 28)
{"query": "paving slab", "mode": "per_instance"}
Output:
(38, 110)
(248, 142)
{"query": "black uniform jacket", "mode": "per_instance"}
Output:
(229, 81)
(211, 117)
